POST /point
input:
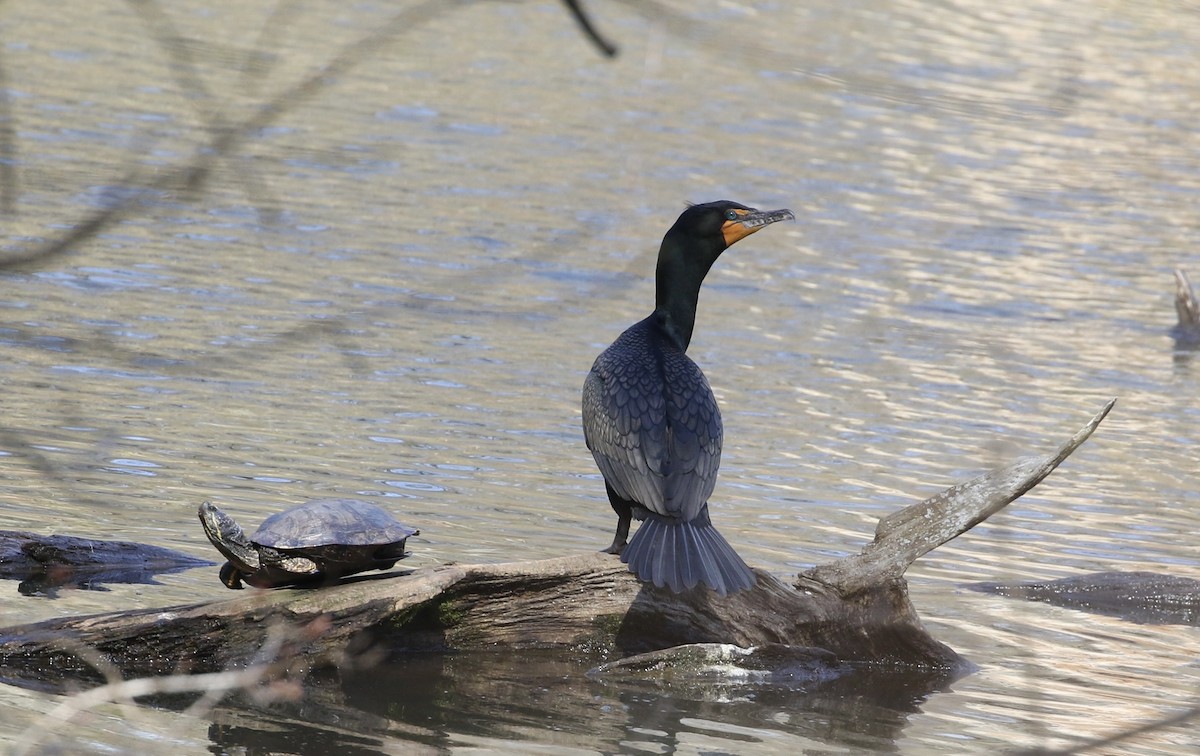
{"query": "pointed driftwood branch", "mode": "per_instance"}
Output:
(903, 537)
(854, 610)
(1187, 330)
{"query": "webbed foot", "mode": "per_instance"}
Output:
(616, 548)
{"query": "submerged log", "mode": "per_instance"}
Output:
(853, 610)
(43, 564)
(1147, 598)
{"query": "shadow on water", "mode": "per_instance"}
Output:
(545, 698)
(46, 582)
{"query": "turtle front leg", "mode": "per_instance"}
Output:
(231, 577)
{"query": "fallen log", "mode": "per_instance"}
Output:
(853, 610)
(44, 564)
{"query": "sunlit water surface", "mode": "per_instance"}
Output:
(395, 289)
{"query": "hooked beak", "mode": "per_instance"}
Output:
(749, 221)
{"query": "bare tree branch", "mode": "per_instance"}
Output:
(195, 173)
(704, 34)
(1092, 745)
(271, 676)
(589, 30)
(8, 148)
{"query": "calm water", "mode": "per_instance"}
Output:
(395, 289)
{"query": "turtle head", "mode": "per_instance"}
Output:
(228, 538)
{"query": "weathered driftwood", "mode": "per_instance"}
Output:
(903, 537)
(1187, 330)
(45, 563)
(1148, 598)
(856, 609)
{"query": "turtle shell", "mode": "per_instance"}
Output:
(331, 522)
(326, 539)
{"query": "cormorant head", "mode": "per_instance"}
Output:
(699, 237)
(690, 248)
(716, 226)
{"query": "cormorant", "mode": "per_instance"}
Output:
(652, 423)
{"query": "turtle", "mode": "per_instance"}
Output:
(319, 541)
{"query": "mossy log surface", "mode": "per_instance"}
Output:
(856, 608)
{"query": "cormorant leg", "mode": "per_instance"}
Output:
(624, 510)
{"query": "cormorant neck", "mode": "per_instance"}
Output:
(681, 269)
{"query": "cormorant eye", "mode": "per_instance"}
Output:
(731, 214)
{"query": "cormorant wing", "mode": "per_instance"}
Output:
(652, 424)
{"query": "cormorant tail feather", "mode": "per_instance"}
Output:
(681, 555)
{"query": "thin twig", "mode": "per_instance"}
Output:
(225, 141)
(273, 659)
(1091, 745)
(718, 37)
(8, 148)
(589, 30)
(72, 706)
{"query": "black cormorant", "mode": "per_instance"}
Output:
(652, 422)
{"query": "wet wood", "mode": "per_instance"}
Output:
(855, 609)
(43, 563)
(1187, 330)
(1148, 598)
(902, 537)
